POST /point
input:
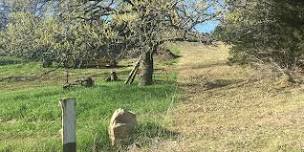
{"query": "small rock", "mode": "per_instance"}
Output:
(87, 82)
(112, 77)
(122, 125)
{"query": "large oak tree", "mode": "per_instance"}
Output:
(86, 28)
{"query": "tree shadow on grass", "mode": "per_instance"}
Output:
(152, 130)
(146, 133)
(143, 135)
(219, 83)
(168, 82)
(209, 85)
(18, 79)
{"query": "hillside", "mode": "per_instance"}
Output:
(198, 103)
(232, 108)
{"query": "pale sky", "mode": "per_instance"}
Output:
(207, 27)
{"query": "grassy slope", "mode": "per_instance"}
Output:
(232, 108)
(224, 108)
(30, 115)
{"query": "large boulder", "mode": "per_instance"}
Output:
(122, 125)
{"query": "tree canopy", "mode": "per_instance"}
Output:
(265, 30)
(73, 32)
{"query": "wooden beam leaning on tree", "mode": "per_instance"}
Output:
(134, 72)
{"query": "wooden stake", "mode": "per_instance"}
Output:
(68, 125)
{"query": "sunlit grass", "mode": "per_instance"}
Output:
(31, 118)
(233, 108)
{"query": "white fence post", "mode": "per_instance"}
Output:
(68, 124)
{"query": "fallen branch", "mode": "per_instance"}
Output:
(86, 82)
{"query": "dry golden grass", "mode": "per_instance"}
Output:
(231, 108)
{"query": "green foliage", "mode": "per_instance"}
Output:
(21, 36)
(74, 45)
(6, 60)
(78, 31)
(3, 43)
(268, 31)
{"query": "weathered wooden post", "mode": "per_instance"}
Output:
(68, 124)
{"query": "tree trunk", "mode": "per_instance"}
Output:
(147, 69)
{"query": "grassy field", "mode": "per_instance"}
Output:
(30, 114)
(233, 108)
(220, 107)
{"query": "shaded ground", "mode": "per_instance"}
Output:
(231, 108)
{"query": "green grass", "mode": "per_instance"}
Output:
(223, 108)
(30, 117)
(6, 60)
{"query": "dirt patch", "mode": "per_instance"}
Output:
(165, 54)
